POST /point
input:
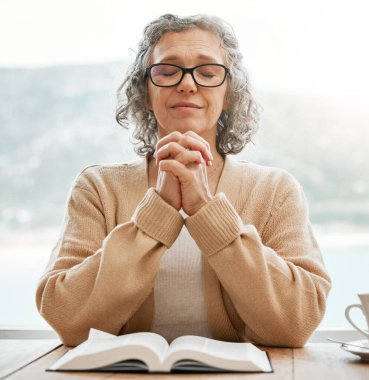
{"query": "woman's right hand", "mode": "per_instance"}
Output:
(168, 187)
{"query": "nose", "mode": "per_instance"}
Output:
(187, 84)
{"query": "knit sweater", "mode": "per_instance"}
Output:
(264, 277)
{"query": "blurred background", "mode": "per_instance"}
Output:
(62, 61)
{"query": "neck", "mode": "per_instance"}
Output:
(217, 165)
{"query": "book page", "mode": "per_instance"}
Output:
(226, 355)
(154, 342)
(102, 351)
(188, 342)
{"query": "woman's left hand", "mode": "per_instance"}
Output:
(186, 156)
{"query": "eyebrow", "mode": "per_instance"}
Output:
(202, 57)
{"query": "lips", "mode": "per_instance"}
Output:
(186, 105)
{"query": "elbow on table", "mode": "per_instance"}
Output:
(72, 338)
(297, 328)
(284, 337)
(296, 333)
(70, 331)
(291, 340)
(294, 330)
(71, 334)
(70, 324)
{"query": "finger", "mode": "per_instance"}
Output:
(195, 135)
(193, 143)
(177, 169)
(170, 150)
(187, 141)
(178, 152)
(174, 136)
(187, 157)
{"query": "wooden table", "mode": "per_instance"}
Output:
(28, 359)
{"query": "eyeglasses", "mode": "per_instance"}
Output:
(167, 75)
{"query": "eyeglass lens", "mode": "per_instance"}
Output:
(205, 75)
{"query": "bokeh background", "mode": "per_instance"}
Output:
(62, 61)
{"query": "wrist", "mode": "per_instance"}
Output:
(208, 198)
(175, 203)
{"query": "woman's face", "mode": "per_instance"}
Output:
(187, 106)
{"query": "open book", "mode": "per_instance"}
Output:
(150, 352)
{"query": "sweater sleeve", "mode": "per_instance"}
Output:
(277, 282)
(99, 279)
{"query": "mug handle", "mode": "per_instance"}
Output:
(347, 314)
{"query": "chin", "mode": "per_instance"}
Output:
(183, 127)
(186, 127)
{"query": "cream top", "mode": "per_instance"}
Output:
(178, 291)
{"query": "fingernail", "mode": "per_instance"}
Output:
(209, 163)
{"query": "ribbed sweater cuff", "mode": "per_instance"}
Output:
(215, 226)
(157, 218)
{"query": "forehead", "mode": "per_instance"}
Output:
(190, 45)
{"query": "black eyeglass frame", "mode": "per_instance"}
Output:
(186, 70)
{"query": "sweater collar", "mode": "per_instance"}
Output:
(230, 180)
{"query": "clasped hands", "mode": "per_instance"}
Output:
(182, 178)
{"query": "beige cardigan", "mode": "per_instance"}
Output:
(264, 277)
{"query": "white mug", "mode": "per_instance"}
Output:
(364, 307)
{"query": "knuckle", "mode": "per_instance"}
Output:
(182, 139)
(172, 145)
(184, 157)
(162, 164)
(187, 140)
(198, 155)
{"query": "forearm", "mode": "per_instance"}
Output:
(100, 282)
(104, 290)
(281, 302)
(278, 288)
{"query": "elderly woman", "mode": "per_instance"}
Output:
(186, 240)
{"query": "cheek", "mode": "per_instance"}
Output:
(218, 104)
(152, 96)
(157, 99)
(148, 100)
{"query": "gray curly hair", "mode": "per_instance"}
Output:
(235, 126)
